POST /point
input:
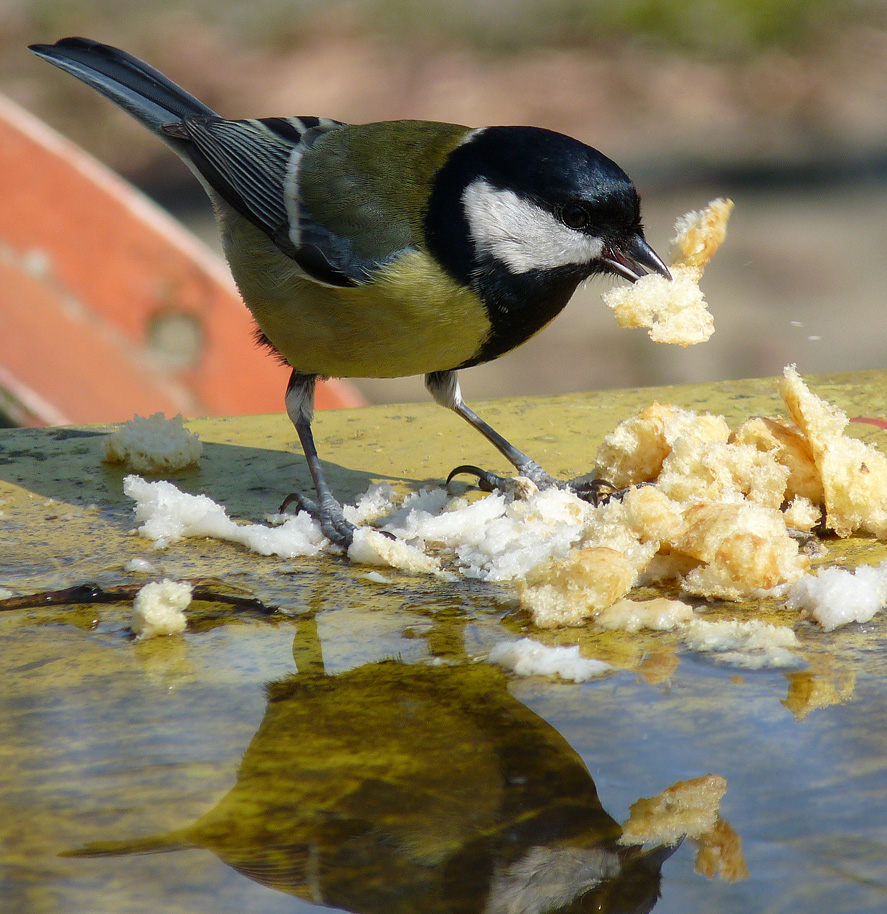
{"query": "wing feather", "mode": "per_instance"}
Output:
(340, 200)
(249, 164)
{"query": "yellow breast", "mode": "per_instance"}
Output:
(411, 319)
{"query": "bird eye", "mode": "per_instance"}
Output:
(574, 216)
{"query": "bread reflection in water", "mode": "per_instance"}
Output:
(394, 788)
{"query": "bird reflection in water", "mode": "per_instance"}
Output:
(395, 788)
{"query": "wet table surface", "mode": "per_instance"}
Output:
(351, 750)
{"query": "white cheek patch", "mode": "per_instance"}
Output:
(520, 234)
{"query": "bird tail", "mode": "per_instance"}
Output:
(153, 844)
(145, 93)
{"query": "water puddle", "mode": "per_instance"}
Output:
(369, 762)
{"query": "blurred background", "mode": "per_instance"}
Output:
(779, 104)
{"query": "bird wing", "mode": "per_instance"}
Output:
(253, 165)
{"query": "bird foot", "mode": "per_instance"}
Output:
(599, 491)
(532, 478)
(338, 530)
(518, 486)
(333, 525)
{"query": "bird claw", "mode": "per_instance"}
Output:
(333, 525)
(302, 503)
(599, 491)
(516, 486)
(533, 478)
(486, 481)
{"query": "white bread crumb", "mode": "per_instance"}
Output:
(159, 609)
(153, 445)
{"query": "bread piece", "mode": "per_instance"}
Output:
(719, 854)
(686, 809)
(714, 470)
(790, 448)
(659, 614)
(154, 445)
(576, 588)
(853, 473)
(745, 549)
(675, 310)
(699, 234)
(636, 449)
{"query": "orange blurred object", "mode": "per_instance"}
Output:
(108, 307)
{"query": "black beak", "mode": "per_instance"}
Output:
(649, 859)
(634, 260)
(656, 856)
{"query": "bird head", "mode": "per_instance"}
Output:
(522, 215)
(535, 201)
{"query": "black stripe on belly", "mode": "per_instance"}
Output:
(520, 305)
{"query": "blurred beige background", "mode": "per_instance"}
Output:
(781, 105)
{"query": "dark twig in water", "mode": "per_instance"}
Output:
(95, 593)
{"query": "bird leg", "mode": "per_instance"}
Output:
(444, 387)
(327, 511)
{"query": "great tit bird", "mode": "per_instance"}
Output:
(388, 249)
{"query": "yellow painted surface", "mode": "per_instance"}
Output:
(65, 518)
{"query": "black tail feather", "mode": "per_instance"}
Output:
(138, 88)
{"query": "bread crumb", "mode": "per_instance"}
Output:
(576, 588)
(790, 448)
(753, 644)
(837, 596)
(853, 473)
(370, 547)
(159, 609)
(686, 809)
(615, 525)
(659, 614)
(675, 310)
(652, 515)
(154, 445)
(377, 578)
(699, 234)
(168, 515)
(715, 470)
(141, 566)
(634, 451)
(527, 657)
(801, 514)
(745, 550)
